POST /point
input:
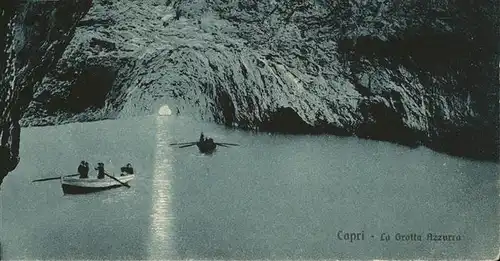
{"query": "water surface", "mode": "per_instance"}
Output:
(274, 197)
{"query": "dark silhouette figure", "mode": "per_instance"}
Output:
(100, 170)
(202, 137)
(83, 170)
(128, 170)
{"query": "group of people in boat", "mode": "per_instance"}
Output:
(83, 170)
(204, 139)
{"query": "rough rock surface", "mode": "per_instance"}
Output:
(404, 71)
(33, 35)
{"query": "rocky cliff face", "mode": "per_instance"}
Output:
(33, 35)
(404, 71)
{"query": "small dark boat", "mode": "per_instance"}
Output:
(205, 145)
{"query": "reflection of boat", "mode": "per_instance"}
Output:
(76, 185)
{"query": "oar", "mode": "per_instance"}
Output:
(225, 143)
(183, 143)
(189, 145)
(220, 144)
(36, 180)
(124, 184)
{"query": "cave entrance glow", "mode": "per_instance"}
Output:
(164, 111)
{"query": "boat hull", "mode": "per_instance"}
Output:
(206, 147)
(69, 189)
(75, 185)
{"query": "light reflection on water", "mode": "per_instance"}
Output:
(161, 244)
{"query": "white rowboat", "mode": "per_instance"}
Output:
(76, 185)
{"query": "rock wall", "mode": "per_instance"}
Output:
(403, 71)
(34, 35)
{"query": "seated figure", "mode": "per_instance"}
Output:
(127, 170)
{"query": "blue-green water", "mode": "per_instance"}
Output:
(273, 197)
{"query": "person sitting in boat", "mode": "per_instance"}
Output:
(210, 140)
(127, 170)
(100, 170)
(83, 169)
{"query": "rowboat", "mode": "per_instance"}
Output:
(207, 146)
(204, 144)
(76, 185)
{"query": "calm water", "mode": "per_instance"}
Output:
(273, 197)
